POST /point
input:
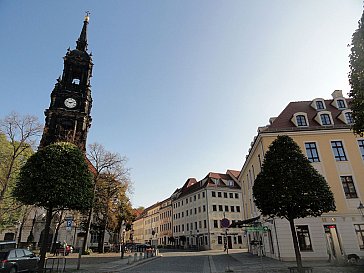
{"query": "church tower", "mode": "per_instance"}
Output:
(68, 116)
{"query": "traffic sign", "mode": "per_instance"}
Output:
(225, 223)
(68, 224)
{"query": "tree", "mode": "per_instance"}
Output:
(289, 187)
(109, 169)
(56, 177)
(356, 78)
(18, 135)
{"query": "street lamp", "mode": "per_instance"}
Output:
(198, 238)
(361, 208)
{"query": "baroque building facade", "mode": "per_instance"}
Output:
(322, 129)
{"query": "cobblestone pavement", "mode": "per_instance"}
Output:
(205, 262)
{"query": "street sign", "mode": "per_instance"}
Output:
(69, 224)
(261, 228)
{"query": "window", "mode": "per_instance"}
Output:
(303, 237)
(338, 149)
(213, 194)
(186, 200)
(220, 208)
(340, 104)
(349, 118)
(225, 195)
(195, 210)
(359, 230)
(226, 208)
(232, 209)
(214, 208)
(204, 223)
(311, 151)
(219, 240)
(199, 196)
(361, 147)
(236, 195)
(237, 209)
(240, 240)
(325, 119)
(76, 81)
(320, 105)
(219, 194)
(231, 195)
(203, 194)
(301, 120)
(204, 208)
(186, 212)
(349, 187)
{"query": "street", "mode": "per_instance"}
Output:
(211, 261)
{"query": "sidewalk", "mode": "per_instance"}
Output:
(250, 263)
(99, 262)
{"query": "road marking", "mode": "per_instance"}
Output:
(212, 265)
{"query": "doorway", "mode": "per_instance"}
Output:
(333, 243)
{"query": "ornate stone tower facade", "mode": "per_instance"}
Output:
(68, 116)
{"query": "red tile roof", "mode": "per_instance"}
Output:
(283, 121)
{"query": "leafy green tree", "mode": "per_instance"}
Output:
(56, 177)
(289, 187)
(18, 135)
(356, 78)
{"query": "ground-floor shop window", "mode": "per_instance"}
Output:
(303, 236)
(359, 230)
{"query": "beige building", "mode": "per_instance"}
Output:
(165, 222)
(322, 129)
(199, 208)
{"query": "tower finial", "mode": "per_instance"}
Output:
(82, 41)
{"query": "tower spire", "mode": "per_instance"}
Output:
(82, 41)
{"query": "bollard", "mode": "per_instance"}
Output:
(140, 256)
(145, 255)
(135, 257)
(129, 259)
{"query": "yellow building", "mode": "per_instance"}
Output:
(322, 129)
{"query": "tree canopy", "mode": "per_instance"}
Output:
(288, 185)
(56, 177)
(356, 78)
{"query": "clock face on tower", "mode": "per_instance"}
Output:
(70, 103)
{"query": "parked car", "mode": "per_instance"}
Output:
(18, 260)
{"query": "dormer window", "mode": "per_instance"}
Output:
(340, 104)
(349, 117)
(320, 105)
(325, 119)
(300, 119)
(346, 116)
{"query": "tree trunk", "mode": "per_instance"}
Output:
(295, 245)
(55, 237)
(43, 248)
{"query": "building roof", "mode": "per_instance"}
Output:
(283, 121)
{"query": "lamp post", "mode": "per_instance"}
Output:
(361, 208)
(198, 239)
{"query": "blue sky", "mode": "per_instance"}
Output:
(179, 87)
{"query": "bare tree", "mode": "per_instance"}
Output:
(106, 164)
(18, 137)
